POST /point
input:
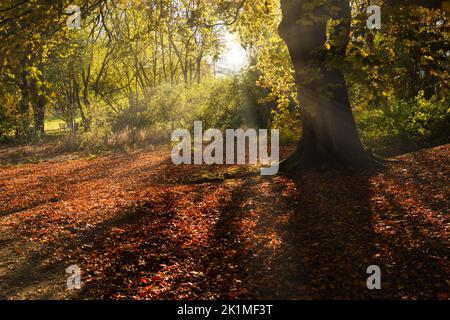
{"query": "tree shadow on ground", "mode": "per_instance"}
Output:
(37, 269)
(312, 238)
(332, 234)
(49, 264)
(314, 235)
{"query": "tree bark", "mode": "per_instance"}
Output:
(38, 116)
(23, 125)
(329, 134)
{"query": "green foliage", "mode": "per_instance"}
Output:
(222, 107)
(222, 102)
(8, 118)
(405, 125)
(398, 79)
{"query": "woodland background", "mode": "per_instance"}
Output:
(138, 69)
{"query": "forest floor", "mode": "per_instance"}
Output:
(140, 227)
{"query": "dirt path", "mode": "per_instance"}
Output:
(140, 227)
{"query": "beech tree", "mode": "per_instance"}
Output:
(317, 35)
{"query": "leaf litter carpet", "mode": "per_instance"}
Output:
(140, 227)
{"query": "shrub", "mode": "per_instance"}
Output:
(405, 125)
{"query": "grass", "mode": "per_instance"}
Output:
(52, 124)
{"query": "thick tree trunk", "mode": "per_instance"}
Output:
(329, 134)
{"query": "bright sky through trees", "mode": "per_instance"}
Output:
(234, 58)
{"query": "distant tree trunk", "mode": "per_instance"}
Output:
(23, 122)
(191, 67)
(163, 55)
(329, 135)
(84, 120)
(199, 67)
(38, 115)
(172, 73)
